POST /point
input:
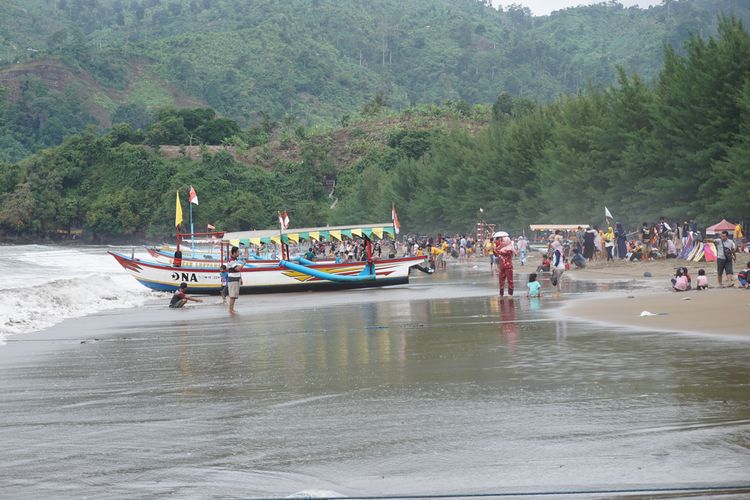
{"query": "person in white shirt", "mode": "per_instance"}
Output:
(522, 246)
(725, 256)
(234, 278)
(557, 265)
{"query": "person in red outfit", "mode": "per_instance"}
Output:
(504, 253)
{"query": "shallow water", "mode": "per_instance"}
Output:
(434, 388)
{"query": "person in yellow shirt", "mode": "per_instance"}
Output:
(489, 250)
(438, 251)
(738, 238)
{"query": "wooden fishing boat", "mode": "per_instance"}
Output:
(284, 275)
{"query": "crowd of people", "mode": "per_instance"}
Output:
(563, 248)
(659, 240)
(577, 248)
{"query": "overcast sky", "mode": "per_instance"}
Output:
(543, 7)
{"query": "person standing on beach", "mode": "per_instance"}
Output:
(646, 238)
(504, 252)
(579, 239)
(489, 250)
(522, 246)
(621, 237)
(609, 243)
(223, 275)
(685, 233)
(557, 265)
(725, 255)
(234, 278)
(589, 243)
(738, 235)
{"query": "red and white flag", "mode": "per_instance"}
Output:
(394, 218)
(209, 226)
(193, 197)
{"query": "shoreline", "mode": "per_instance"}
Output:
(155, 313)
(616, 308)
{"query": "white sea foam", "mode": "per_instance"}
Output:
(44, 285)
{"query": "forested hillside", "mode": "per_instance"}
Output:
(678, 147)
(69, 63)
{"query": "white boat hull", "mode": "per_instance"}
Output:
(162, 277)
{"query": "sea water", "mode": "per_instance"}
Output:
(437, 387)
(43, 285)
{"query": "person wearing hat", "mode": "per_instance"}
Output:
(504, 252)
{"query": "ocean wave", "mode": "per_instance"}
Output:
(34, 307)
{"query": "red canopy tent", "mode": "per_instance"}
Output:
(724, 225)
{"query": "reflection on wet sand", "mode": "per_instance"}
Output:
(508, 326)
(427, 394)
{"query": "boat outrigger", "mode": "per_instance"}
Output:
(285, 274)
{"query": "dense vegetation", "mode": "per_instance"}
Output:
(311, 61)
(679, 147)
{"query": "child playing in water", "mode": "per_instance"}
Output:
(534, 287)
(702, 282)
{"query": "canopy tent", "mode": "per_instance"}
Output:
(555, 227)
(724, 225)
(311, 233)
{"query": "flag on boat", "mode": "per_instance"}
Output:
(607, 214)
(209, 226)
(394, 218)
(178, 212)
(193, 197)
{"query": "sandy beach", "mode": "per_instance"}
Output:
(714, 311)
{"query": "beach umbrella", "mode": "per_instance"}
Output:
(717, 228)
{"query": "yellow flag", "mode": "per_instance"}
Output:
(178, 212)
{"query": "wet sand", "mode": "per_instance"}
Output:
(716, 311)
(435, 388)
